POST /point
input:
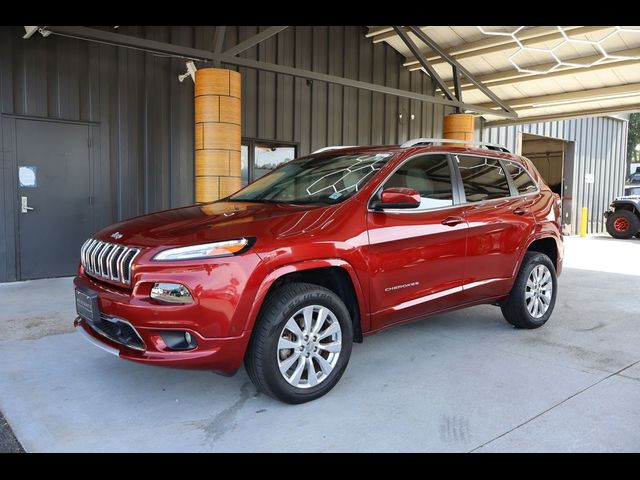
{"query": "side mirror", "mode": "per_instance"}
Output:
(397, 197)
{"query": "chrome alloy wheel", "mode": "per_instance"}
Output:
(538, 291)
(309, 346)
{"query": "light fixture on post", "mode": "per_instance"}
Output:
(191, 72)
(30, 30)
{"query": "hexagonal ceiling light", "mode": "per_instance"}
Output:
(557, 54)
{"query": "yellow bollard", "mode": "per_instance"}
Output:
(583, 222)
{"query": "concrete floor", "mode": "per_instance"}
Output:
(465, 381)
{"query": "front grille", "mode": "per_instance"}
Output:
(108, 260)
(119, 331)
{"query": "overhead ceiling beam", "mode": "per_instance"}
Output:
(387, 35)
(219, 39)
(423, 61)
(373, 31)
(578, 96)
(459, 68)
(254, 40)
(323, 77)
(506, 43)
(153, 46)
(513, 76)
(128, 41)
(566, 115)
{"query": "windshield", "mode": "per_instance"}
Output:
(329, 179)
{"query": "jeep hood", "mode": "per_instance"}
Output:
(217, 221)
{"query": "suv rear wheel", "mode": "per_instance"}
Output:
(533, 295)
(301, 343)
(623, 224)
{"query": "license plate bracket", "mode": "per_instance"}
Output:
(87, 304)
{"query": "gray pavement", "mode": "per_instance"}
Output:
(464, 381)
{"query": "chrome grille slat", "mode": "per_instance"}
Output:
(94, 258)
(90, 255)
(101, 259)
(108, 260)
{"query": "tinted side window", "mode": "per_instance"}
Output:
(430, 176)
(483, 178)
(521, 179)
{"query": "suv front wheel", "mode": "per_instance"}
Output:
(301, 343)
(533, 295)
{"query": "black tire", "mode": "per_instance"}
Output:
(514, 308)
(261, 359)
(632, 222)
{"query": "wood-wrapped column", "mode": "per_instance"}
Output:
(217, 133)
(458, 126)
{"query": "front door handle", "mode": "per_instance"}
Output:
(521, 211)
(24, 205)
(452, 221)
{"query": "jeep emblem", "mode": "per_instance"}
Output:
(117, 235)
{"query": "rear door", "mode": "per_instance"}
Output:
(417, 255)
(499, 221)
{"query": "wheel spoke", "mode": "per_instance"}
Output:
(294, 328)
(528, 295)
(312, 375)
(530, 283)
(531, 305)
(333, 347)
(331, 329)
(284, 343)
(295, 377)
(285, 364)
(546, 277)
(324, 365)
(322, 317)
(307, 313)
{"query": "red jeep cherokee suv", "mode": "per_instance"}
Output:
(287, 273)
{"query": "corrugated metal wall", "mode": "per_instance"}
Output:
(600, 148)
(142, 117)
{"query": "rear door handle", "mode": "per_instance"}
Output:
(452, 221)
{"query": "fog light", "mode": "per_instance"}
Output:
(171, 293)
(178, 340)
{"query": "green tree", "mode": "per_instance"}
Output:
(633, 140)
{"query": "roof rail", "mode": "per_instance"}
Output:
(430, 141)
(334, 147)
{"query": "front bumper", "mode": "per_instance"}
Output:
(221, 340)
(223, 355)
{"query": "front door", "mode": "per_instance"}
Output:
(54, 194)
(417, 255)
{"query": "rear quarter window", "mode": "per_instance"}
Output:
(521, 178)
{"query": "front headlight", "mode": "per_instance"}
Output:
(205, 250)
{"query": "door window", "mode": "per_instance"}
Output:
(482, 178)
(521, 179)
(430, 175)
